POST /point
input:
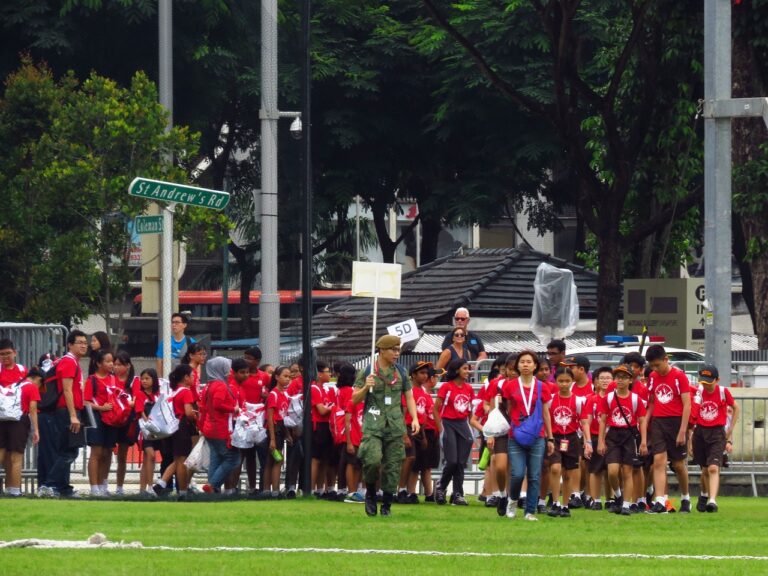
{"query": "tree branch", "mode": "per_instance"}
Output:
(641, 230)
(485, 68)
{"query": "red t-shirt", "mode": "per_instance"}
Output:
(12, 375)
(457, 400)
(423, 402)
(431, 423)
(491, 389)
(511, 392)
(343, 395)
(711, 408)
(296, 386)
(356, 421)
(590, 408)
(181, 397)
(279, 402)
(102, 388)
(252, 390)
(142, 398)
(69, 367)
(318, 396)
(564, 413)
(220, 401)
(614, 419)
(29, 393)
(667, 392)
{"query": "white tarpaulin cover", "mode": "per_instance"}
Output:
(555, 303)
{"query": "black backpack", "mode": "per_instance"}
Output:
(49, 393)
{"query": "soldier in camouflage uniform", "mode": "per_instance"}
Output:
(382, 449)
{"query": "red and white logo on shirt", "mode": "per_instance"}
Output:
(462, 403)
(562, 416)
(664, 394)
(421, 405)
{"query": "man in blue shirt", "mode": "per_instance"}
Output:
(179, 342)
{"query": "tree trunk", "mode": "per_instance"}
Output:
(248, 273)
(748, 135)
(609, 284)
(430, 234)
(382, 233)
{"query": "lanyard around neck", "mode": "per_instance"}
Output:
(528, 404)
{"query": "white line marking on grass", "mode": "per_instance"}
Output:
(100, 541)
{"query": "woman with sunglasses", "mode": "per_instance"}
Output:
(458, 349)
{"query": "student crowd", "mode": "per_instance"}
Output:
(546, 424)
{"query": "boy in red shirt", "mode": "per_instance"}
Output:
(415, 446)
(590, 421)
(10, 371)
(669, 404)
(712, 435)
(581, 389)
(622, 414)
(14, 433)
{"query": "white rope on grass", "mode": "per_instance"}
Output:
(100, 541)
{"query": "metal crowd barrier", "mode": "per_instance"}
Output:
(33, 340)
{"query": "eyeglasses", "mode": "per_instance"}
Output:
(6, 353)
(463, 318)
(459, 335)
(394, 348)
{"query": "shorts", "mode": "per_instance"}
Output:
(181, 441)
(350, 459)
(708, 445)
(596, 464)
(102, 435)
(570, 457)
(322, 442)
(664, 437)
(128, 434)
(432, 453)
(416, 442)
(501, 444)
(620, 447)
(280, 435)
(14, 434)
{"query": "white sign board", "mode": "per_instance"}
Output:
(376, 280)
(407, 330)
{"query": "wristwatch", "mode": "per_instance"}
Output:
(551, 440)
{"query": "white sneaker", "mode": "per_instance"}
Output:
(119, 491)
(531, 518)
(45, 492)
(511, 508)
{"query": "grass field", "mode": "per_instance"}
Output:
(739, 529)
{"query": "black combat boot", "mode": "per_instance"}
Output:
(370, 500)
(387, 504)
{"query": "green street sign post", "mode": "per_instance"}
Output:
(169, 192)
(148, 224)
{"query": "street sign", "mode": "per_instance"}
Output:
(148, 224)
(169, 192)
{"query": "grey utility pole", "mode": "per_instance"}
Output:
(719, 109)
(269, 303)
(165, 34)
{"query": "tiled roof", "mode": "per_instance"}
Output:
(489, 282)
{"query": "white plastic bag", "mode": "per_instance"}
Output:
(200, 457)
(293, 417)
(555, 311)
(162, 421)
(496, 424)
(10, 402)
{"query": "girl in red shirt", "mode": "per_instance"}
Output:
(126, 435)
(454, 401)
(277, 407)
(180, 443)
(102, 438)
(522, 394)
(146, 397)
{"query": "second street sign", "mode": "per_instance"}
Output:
(160, 191)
